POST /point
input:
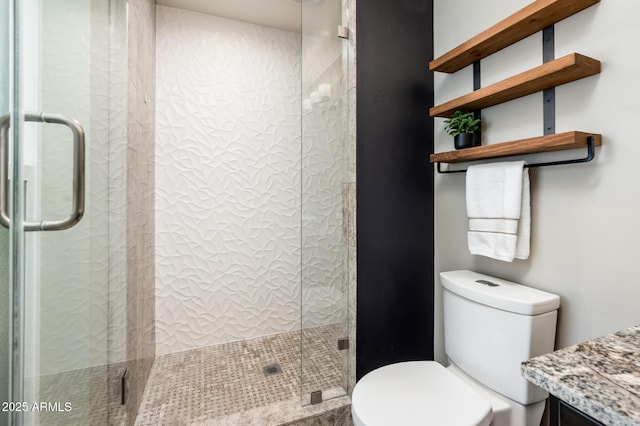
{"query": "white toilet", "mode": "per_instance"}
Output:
(490, 327)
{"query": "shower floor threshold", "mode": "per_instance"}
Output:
(279, 413)
(226, 385)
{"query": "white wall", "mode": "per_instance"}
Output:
(227, 180)
(584, 217)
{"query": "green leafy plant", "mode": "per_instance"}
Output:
(461, 122)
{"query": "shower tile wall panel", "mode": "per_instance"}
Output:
(140, 203)
(228, 180)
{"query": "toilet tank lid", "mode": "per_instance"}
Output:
(499, 293)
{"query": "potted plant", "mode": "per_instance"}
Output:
(463, 126)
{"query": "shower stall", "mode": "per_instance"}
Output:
(171, 191)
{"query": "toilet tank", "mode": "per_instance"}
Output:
(492, 325)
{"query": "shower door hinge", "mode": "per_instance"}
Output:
(343, 32)
(343, 343)
(316, 397)
(124, 387)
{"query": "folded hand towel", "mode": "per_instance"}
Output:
(493, 245)
(495, 190)
(498, 207)
(505, 226)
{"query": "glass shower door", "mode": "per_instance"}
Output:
(5, 282)
(58, 142)
(324, 289)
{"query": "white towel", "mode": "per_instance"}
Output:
(524, 224)
(498, 207)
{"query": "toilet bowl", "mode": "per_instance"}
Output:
(490, 326)
(417, 393)
(426, 393)
(506, 412)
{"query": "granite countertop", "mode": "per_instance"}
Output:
(600, 377)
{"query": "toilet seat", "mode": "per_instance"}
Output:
(417, 393)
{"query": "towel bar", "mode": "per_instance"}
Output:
(589, 157)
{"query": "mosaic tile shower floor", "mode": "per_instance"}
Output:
(92, 395)
(225, 384)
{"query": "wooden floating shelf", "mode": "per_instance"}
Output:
(523, 23)
(555, 142)
(551, 74)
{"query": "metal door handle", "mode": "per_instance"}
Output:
(77, 209)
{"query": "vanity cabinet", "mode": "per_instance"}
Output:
(562, 414)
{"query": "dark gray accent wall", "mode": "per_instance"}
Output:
(395, 183)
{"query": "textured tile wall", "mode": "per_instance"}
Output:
(140, 200)
(228, 180)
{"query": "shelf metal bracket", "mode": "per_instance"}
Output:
(548, 95)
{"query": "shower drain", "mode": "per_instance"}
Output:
(271, 370)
